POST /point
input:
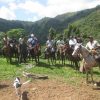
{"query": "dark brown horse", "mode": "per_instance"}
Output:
(23, 52)
(73, 60)
(10, 51)
(35, 52)
(7, 53)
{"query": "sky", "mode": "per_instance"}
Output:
(33, 10)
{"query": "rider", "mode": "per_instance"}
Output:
(94, 47)
(21, 39)
(72, 41)
(6, 39)
(60, 43)
(49, 44)
(32, 41)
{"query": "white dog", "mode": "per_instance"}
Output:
(17, 86)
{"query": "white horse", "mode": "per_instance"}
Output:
(88, 60)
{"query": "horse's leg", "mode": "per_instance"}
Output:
(62, 59)
(91, 72)
(99, 66)
(87, 76)
(49, 59)
(38, 58)
(20, 57)
(54, 58)
(35, 59)
(76, 65)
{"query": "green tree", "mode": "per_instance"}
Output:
(1, 38)
(52, 33)
(16, 33)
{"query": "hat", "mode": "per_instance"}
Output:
(32, 35)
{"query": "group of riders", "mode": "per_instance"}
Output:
(54, 46)
(23, 45)
(92, 45)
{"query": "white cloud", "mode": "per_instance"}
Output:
(51, 9)
(7, 13)
(55, 7)
(12, 6)
(7, 1)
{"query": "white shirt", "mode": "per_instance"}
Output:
(92, 45)
(6, 40)
(20, 40)
(72, 42)
(49, 43)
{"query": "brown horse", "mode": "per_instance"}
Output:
(7, 53)
(50, 55)
(23, 52)
(73, 60)
(61, 53)
(35, 52)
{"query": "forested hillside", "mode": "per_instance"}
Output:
(88, 22)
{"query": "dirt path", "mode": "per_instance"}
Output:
(49, 90)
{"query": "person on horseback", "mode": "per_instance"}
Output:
(32, 41)
(6, 40)
(79, 39)
(21, 39)
(72, 41)
(60, 43)
(49, 44)
(94, 47)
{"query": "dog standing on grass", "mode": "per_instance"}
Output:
(17, 86)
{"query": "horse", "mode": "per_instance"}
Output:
(10, 51)
(61, 53)
(50, 55)
(23, 52)
(74, 60)
(7, 53)
(35, 52)
(88, 60)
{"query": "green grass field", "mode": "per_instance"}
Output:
(58, 71)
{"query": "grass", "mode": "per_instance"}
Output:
(66, 72)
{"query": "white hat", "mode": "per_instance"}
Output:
(32, 35)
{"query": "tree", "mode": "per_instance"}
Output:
(52, 32)
(1, 38)
(16, 33)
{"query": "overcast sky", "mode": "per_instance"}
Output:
(32, 10)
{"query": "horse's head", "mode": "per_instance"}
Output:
(77, 49)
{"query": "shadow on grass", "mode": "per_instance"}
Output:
(15, 63)
(51, 66)
(3, 86)
(97, 73)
